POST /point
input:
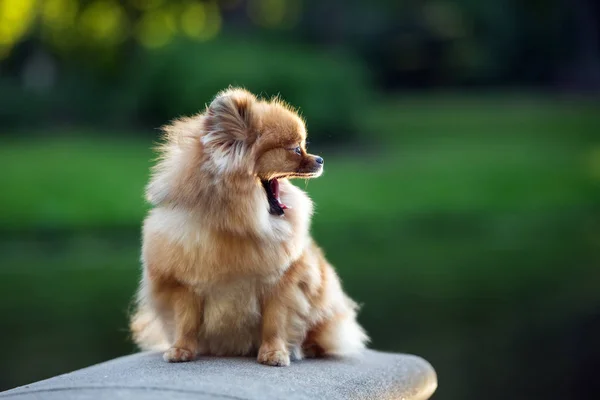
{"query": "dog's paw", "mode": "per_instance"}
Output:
(176, 354)
(275, 358)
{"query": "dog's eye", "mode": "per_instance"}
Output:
(298, 150)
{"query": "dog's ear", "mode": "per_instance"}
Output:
(229, 117)
(228, 127)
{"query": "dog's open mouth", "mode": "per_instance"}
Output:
(271, 187)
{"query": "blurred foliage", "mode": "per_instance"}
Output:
(438, 41)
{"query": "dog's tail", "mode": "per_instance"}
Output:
(147, 330)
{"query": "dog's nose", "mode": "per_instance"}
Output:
(319, 160)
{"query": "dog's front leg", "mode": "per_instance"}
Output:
(184, 307)
(273, 350)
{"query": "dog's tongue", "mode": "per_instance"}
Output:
(275, 190)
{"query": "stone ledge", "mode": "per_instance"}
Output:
(145, 376)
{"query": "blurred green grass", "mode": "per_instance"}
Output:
(72, 181)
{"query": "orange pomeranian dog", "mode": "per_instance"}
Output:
(229, 267)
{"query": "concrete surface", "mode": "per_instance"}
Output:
(374, 375)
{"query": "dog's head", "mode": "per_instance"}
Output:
(239, 134)
(267, 138)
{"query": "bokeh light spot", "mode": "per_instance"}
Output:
(201, 21)
(16, 17)
(104, 21)
(155, 28)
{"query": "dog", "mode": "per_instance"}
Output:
(229, 266)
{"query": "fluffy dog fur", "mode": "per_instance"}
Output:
(227, 268)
